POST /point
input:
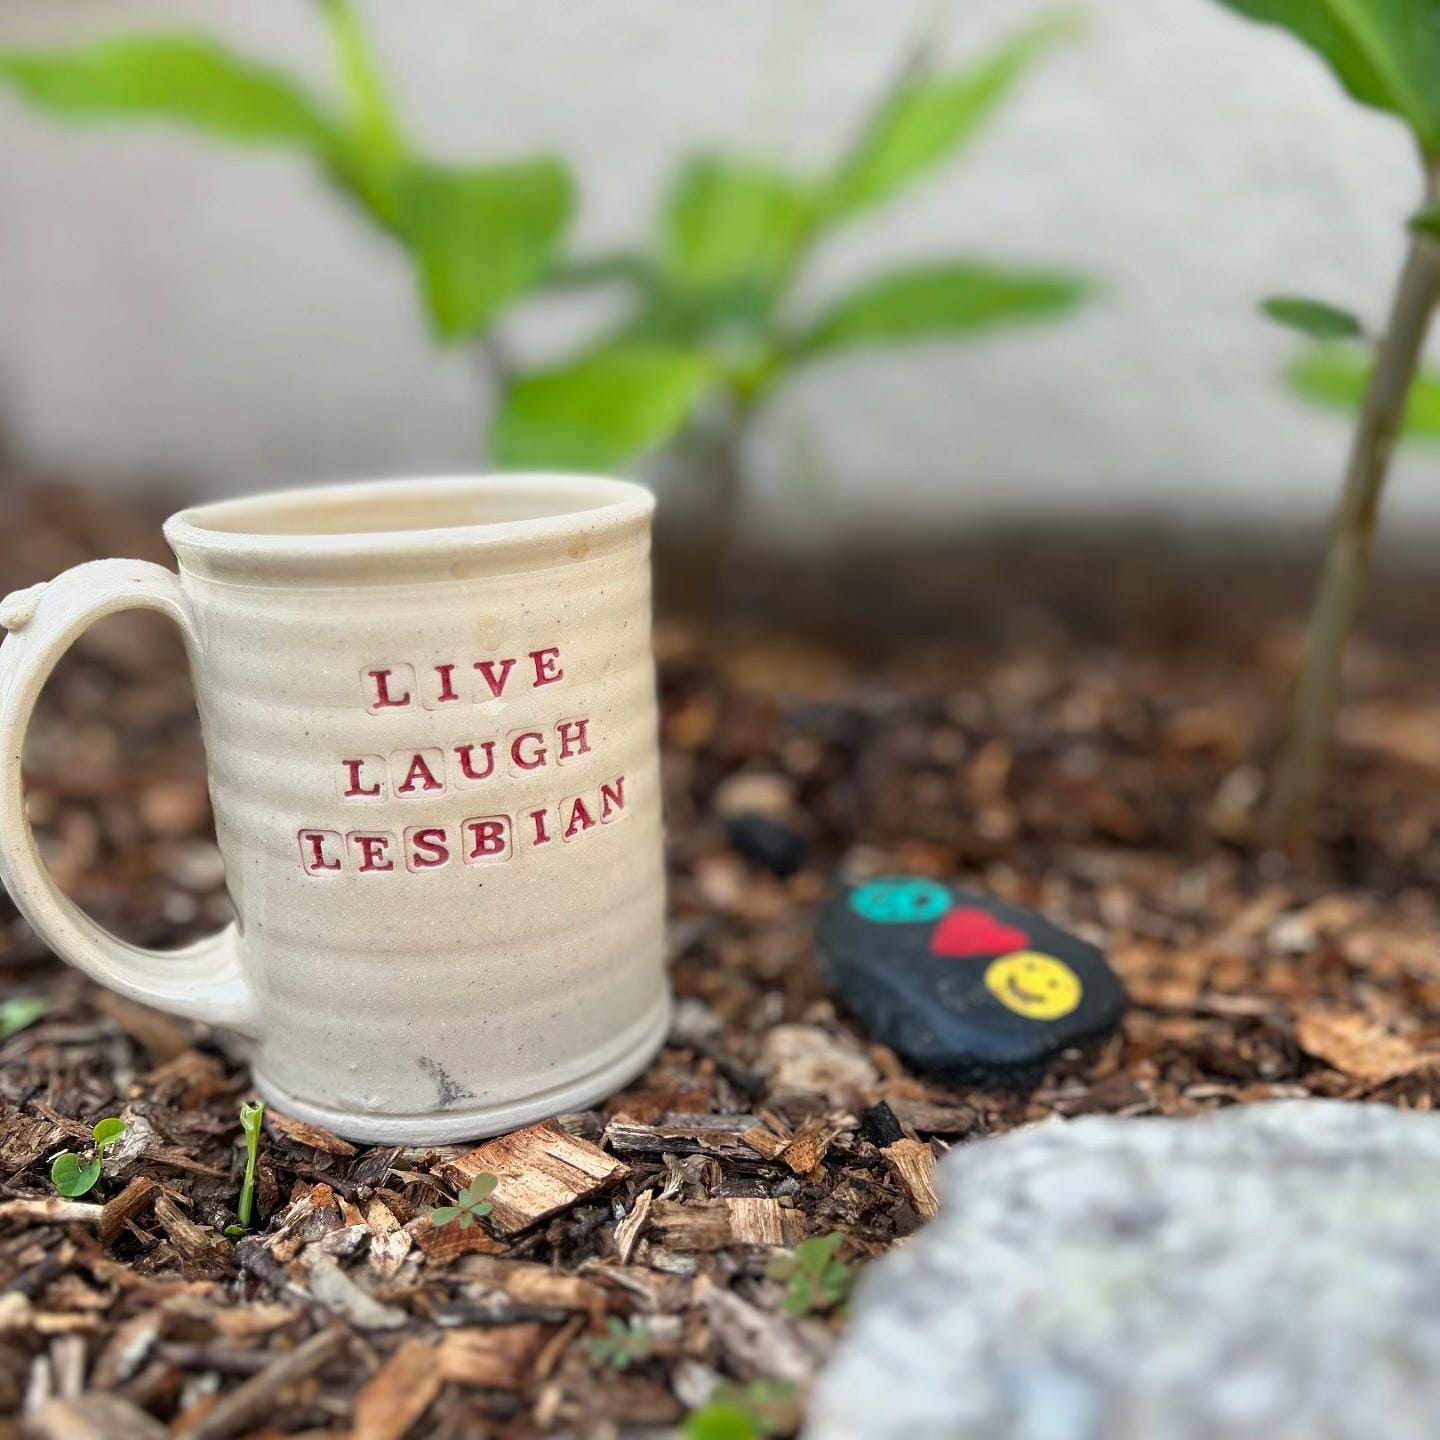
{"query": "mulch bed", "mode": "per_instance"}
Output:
(1079, 728)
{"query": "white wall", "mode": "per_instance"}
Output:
(173, 312)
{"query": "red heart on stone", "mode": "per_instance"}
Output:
(974, 932)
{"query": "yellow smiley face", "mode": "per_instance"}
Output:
(1037, 986)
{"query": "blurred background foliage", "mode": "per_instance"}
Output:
(708, 325)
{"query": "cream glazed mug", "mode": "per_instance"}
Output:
(428, 709)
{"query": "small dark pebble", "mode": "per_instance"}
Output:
(776, 846)
(879, 1126)
(968, 988)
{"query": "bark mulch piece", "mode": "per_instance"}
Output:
(1078, 729)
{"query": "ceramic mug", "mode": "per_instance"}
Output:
(428, 709)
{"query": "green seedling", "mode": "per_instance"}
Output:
(752, 1412)
(20, 1013)
(470, 1205)
(815, 1281)
(622, 1345)
(250, 1118)
(72, 1178)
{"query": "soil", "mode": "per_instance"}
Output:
(1080, 724)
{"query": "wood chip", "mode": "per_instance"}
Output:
(389, 1242)
(714, 1224)
(913, 1163)
(440, 1244)
(527, 1283)
(124, 1208)
(720, 1136)
(305, 1134)
(398, 1394)
(765, 1142)
(52, 1210)
(1355, 1045)
(242, 1407)
(647, 1106)
(498, 1357)
(202, 1251)
(162, 1037)
(331, 1286)
(935, 1119)
(97, 1417)
(244, 1322)
(762, 1343)
(126, 1349)
(541, 1171)
(806, 1060)
(808, 1148)
(630, 1229)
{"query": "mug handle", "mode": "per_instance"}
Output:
(202, 981)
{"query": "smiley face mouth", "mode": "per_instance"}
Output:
(1024, 996)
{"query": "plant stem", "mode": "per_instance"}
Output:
(698, 529)
(1317, 697)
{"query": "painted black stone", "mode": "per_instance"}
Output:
(963, 986)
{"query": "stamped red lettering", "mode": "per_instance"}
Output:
(612, 799)
(444, 692)
(477, 762)
(488, 840)
(362, 778)
(427, 847)
(372, 850)
(578, 818)
(527, 751)
(388, 687)
(320, 851)
(495, 674)
(547, 666)
(573, 738)
(418, 772)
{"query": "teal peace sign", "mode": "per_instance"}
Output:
(900, 900)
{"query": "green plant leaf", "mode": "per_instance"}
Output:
(186, 79)
(958, 299)
(1386, 53)
(816, 1255)
(730, 220)
(478, 1189)
(720, 1420)
(1427, 220)
(465, 1220)
(1336, 377)
(927, 117)
(20, 1013)
(107, 1130)
(72, 1178)
(1313, 318)
(444, 1214)
(600, 410)
(481, 234)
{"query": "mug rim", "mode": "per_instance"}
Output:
(612, 505)
(584, 517)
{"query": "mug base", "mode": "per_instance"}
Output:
(443, 1127)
